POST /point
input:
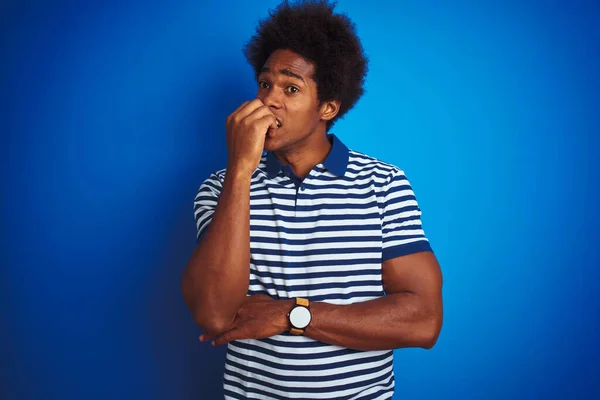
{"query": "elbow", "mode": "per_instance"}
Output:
(208, 321)
(211, 324)
(206, 318)
(431, 332)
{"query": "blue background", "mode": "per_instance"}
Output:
(112, 114)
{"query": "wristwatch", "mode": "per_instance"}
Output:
(300, 316)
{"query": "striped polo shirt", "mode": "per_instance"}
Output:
(323, 238)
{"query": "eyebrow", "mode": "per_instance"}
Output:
(284, 71)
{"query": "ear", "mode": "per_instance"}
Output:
(329, 109)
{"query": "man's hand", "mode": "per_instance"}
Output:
(259, 317)
(247, 128)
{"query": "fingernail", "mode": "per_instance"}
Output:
(213, 343)
(201, 337)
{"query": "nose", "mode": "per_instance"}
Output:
(271, 97)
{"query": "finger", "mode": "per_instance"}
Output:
(233, 334)
(230, 117)
(248, 109)
(258, 297)
(258, 113)
(266, 122)
(205, 337)
(265, 116)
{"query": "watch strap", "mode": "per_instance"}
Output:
(295, 331)
(300, 302)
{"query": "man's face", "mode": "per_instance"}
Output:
(286, 86)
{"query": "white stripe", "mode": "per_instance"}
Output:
(377, 388)
(313, 257)
(316, 246)
(395, 243)
(317, 268)
(318, 292)
(313, 384)
(319, 281)
(316, 235)
(315, 213)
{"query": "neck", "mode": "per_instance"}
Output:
(305, 155)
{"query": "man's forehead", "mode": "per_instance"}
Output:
(289, 63)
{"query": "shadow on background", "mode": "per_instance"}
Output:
(204, 364)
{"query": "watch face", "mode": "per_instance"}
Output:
(300, 317)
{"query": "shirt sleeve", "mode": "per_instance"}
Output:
(205, 203)
(401, 220)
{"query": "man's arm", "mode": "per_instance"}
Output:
(215, 280)
(410, 315)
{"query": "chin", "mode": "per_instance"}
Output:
(271, 144)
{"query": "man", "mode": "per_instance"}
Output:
(311, 262)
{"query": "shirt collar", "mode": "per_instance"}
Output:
(335, 162)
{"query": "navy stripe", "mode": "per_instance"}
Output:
(316, 286)
(248, 389)
(304, 389)
(314, 207)
(321, 378)
(406, 249)
(314, 367)
(372, 173)
(382, 390)
(298, 219)
(292, 356)
(314, 229)
(342, 187)
(332, 262)
(207, 197)
(340, 240)
(403, 237)
(294, 345)
(213, 184)
(233, 395)
(316, 195)
(389, 216)
(330, 296)
(315, 275)
(315, 252)
(269, 196)
(399, 199)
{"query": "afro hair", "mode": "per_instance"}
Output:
(328, 40)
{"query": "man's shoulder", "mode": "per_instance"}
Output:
(361, 164)
(221, 174)
(215, 179)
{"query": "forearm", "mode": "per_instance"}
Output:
(215, 281)
(394, 321)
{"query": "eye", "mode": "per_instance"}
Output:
(263, 85)
(292, 89)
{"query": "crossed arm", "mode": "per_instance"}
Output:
(409, 315)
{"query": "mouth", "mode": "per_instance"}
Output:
(278, 122)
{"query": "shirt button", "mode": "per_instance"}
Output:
(301, 187)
